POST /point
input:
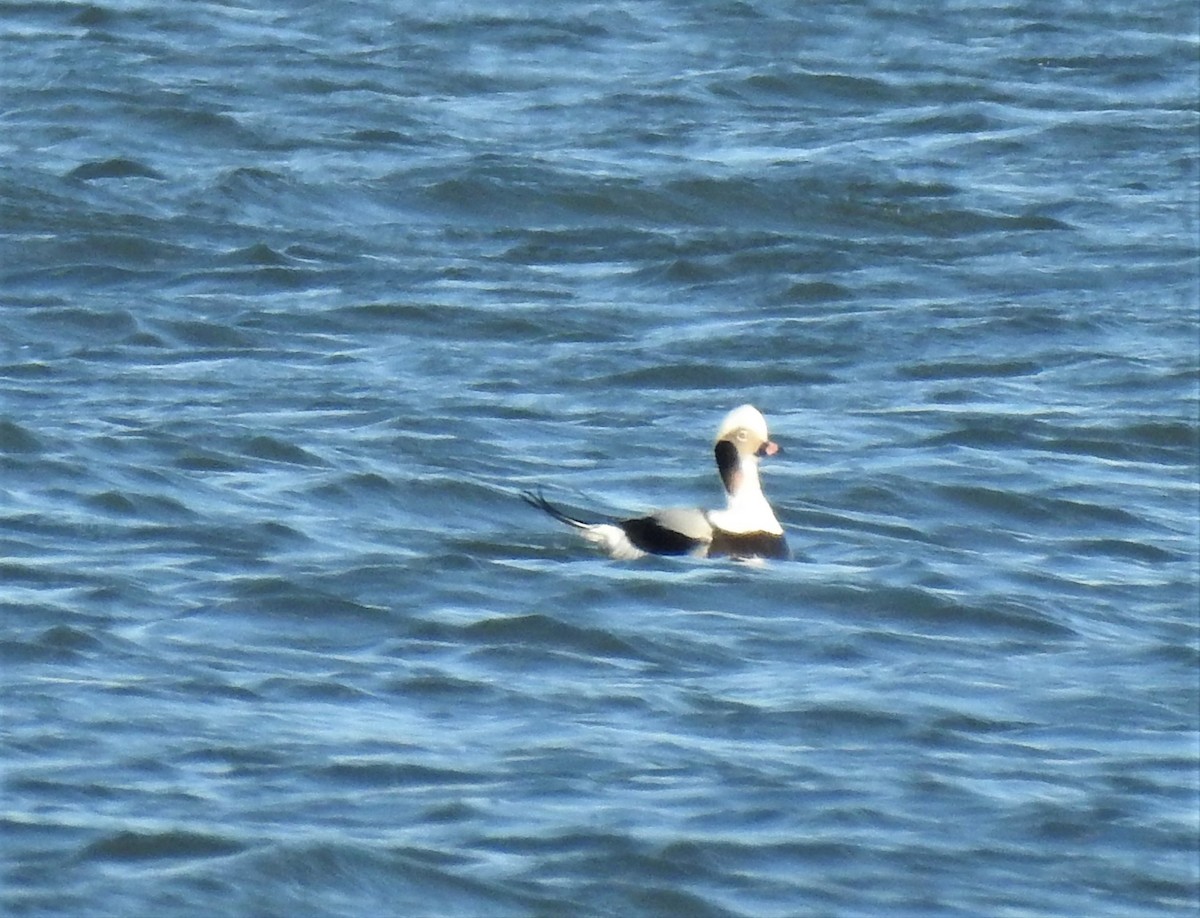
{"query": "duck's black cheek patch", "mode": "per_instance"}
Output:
(728, 465)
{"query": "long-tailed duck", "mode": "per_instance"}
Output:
(745, 529)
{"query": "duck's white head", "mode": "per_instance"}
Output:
(745, 430)
(742, 439)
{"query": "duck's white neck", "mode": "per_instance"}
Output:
(746, 509)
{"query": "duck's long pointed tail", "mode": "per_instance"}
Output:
(608, 535)
(538, 501)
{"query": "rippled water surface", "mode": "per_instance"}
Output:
(295, 299)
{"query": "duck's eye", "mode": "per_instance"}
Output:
(741, 435)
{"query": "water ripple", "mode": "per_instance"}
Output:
(295, 302)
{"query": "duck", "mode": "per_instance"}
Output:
(745, 529)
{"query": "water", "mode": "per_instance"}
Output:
(295, 299)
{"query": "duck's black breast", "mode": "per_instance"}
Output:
(748, 545)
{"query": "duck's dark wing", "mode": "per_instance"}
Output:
(669, 532)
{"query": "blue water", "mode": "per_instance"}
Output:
(295, 299)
